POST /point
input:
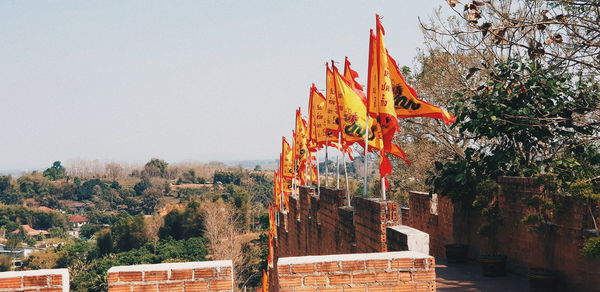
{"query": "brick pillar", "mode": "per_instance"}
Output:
(371, 218)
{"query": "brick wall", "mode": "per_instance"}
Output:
(181, 277)
(442, 220)
(325, 224)
(524, 247)
(391, 271)
(56, 280)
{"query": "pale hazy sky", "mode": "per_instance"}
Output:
(179, 80)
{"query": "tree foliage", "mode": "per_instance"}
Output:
(526, 119)
(55, 172)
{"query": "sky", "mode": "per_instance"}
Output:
(178, 80)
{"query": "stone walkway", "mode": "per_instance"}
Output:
(468, 277)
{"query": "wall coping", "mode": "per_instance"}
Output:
(351, 257)
(43, 272)
(406, 229)
(171, 266)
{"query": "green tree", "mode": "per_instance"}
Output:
(55, 172)
(129, 233)
(156, 167)
(525, 120)
(104, 241)
(182, 224)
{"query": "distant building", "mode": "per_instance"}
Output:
(74, 232)
(30, 231)
(78, 221)
(45, 209)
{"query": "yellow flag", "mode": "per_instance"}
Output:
(380, 97)
(407, 104)
(332, 108)
(287, 159)
(277, 189)
(316, 119)
(354, 119)
(300, 147)
(353, 112)
(265, 281)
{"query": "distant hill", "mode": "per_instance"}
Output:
(250, 164)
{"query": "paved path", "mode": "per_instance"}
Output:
(468, 277)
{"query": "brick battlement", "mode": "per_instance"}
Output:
(191, 276)
(325, 224)
(324, 244)
(55, 280)
(391, 271)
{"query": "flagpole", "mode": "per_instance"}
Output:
(346, 177)
(326, 160)
(383, 188)
(318, 177)
(366, 151)
(338, 160)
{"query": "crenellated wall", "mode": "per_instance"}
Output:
(525, 248)
(355, 239)
(325, 224)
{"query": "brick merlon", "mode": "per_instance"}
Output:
(351, 257)
(172, 266)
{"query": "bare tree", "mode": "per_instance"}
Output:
(562, 33)
(113, 170)
(219, 224)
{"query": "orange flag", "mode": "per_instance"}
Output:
(312, 159)
(354, 121)
(300, 147)
(407, 104)
(380, 97)
(277, 189)
(352, 109)
(351, 75)
(272, 219)
(316, 119)
(332, 108)
(270, 256)
(287, 159)
(265, 281)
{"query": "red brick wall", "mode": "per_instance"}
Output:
(56, 280)
(442, 223)
(524, 247)
(392, 271)
(324, 224)
(180, 277)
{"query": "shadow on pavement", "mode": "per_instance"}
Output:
(468, 277)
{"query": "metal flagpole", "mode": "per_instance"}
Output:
(337, 185)
(318, 177)
(346, 177)
(326, 160)
(366, 151)
(383, 188)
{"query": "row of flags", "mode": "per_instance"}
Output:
(343, 116)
